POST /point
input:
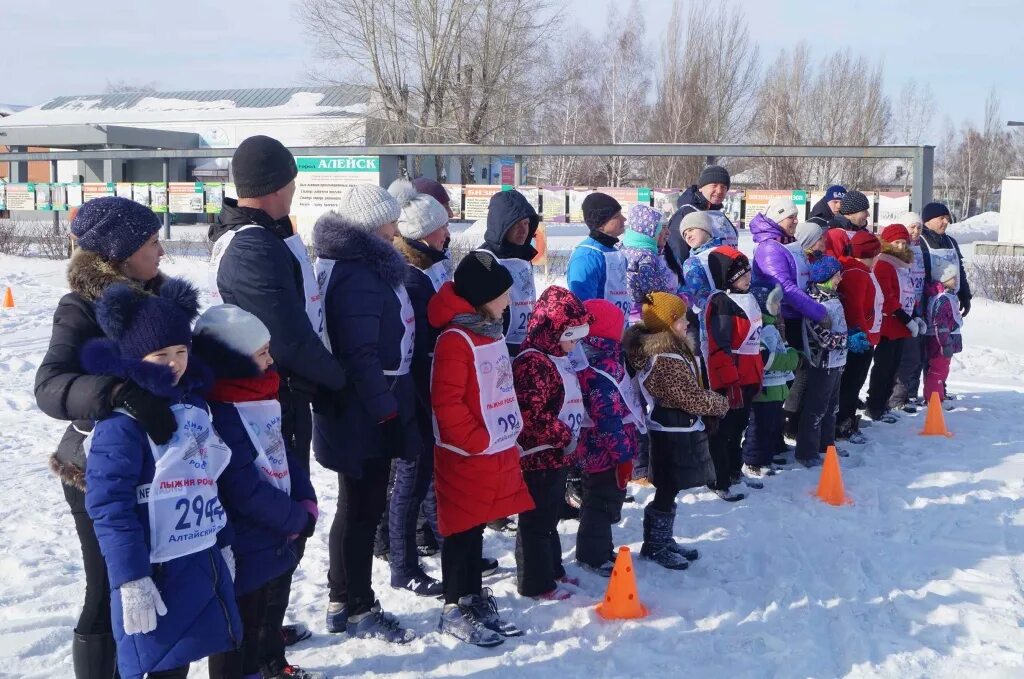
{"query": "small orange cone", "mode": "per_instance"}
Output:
(935, 421)
(830, 487)
(621, 601)
(8, 299)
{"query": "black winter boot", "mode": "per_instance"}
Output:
(94, 656)
(659, 545)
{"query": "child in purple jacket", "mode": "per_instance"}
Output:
(944, 322)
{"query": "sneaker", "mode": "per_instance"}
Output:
(758, 471)
(486, 609)
(753, 483)
(810, 462)
(420, 584)
(488, 566)
(604, 570)
(290, 672)
(559, 593)
(376, 624)
(506, 525)
(337, 617)
(461, 621)
(569, 580)
(729, 496)
(293, 634)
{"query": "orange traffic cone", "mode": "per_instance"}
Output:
(8, 299)
(830, 487)
(621, 601)
(935, 421)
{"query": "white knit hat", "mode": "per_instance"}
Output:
(235, 327)
(908, 219)
(779, 208)
(421, 214)
(697, 220)
(367, 207)
(945, 272)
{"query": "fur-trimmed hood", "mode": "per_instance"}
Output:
(640, 345)
(898, 258)
(102, 357)
(90, 274)
(334, 239)
(419, 255)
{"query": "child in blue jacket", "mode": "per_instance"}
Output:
(156, 510)
(265, 490)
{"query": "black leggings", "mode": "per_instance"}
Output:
(460, 564)
(360, 507)
(665, 498)
(95, 616)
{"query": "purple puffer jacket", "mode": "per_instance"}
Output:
(775, 264)
(610, 441)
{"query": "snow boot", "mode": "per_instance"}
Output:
(286, 671)
(658, 541)
(376, 624)
(488, 566)
(94, 656)
(506, 525)
(462, 622)
(486, 609)
(419, 583)
(337, 617)
(604, 570)
(294, 633)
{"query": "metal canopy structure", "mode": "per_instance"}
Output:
(97, 136)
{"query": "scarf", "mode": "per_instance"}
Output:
(640, 241)
(481, 325)
(245, 389)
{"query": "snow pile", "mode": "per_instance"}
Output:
(984, 226)
(922, 577)
(160, 104)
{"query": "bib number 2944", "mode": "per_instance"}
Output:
(198, 507)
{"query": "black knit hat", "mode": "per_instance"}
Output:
(714, 174)
(260, 166)
(480, 278)
(598, 208)
(933, 210)
(854, 202)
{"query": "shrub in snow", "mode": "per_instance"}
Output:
(998, 278)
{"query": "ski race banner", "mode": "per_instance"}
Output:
(322, 181)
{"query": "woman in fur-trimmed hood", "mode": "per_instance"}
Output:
(117, 242)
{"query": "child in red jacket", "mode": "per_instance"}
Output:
(862, 305)
(733, 353)
(476, 423)
(892, 270)
(553, 414)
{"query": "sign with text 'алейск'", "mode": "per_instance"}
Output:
(321, 182)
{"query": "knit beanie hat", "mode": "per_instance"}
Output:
(260, 166)
(864, 245)
(714, 174)
(140, 323)
(645, 220)
(835, 192)
(807, 234)
(727, 265)
(114, 228)
(368, 207)
(480, 278)
(854, 202)
(895, 232)
(609, 320)
(697, 220)
(235, 327)
(598, 208)
(433, 189)
(945, 272)
(780, 208)
(661, 309)
(910, 218)
(933, 210)
(421, 214)
(823, 269)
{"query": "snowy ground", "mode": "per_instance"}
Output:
(922, 577)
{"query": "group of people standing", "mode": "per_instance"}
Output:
(445, 398)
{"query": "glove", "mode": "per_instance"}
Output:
(858, 342)
(140, 604)
(913, 327)
(229, 560)
(735, 396)
(965, 307)
(922, 327)
(774, 301)
(623, 473)
(392, 437)
(150, 411)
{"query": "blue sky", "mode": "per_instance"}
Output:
(961, 49)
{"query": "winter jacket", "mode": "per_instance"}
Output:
(647, 272)
(857, 290)
(727, 327)
(471, 488)
(692, 200)
(837, 236)
(932, 240)
(825, 347)
(586, 271)
(942, 322)
(262, 516)
(507, 208)
(63, 389)
(258, 273)
(611, 440)
(894, 319)
(365, 325)
(539, 385)
(821, 213)
(696, 287)
(776, 262)
(681, 395)
(202, 618)
(780, 360)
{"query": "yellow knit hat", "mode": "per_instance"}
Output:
(661, 310)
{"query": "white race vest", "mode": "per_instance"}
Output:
(876, 325)
(908, 295)
(439, 273)
(803, 269)
(652, 424)
(408, 332)
(262, 420)
(572, 412)
(917, 272)
(773, 342)
(616, 289)
(185, 513)
(837, 357)
(945, 256)
(498, 403)
(933, 307)
(522, 298)
(631, 396)
(722, 228)
(578, 358)
(704, 260)
(752, 342)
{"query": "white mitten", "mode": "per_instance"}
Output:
(774, 301)
(229, 559)
(140, 604)
(913, 327)
(922, 327)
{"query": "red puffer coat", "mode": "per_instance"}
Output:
(471, 489)
(895, 319)
(858, 293)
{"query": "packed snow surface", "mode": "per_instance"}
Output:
(921, 576)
